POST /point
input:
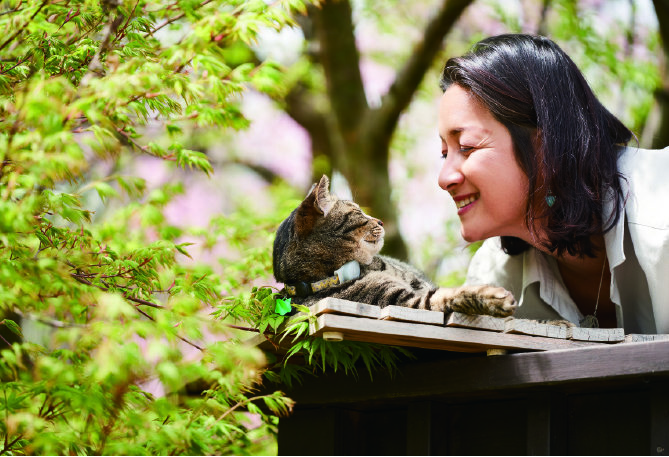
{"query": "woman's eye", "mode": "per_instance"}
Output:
(466, 149)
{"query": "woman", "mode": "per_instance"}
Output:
(576, 224)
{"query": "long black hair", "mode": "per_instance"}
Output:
(564, 139)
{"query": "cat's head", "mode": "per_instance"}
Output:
(321, 235)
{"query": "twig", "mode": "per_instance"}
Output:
(9, 446)
(17, 64)
(136, 300)
(175, 18)
(181, 338)
(241, 403)
(19, 31)
(15, 10)
(121, 31)
(6, 342)
(248, 329)
(85, 34)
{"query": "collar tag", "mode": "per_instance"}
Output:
(348, 271)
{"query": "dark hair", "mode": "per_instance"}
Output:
(564, 139)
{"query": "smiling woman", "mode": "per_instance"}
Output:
(538, 168)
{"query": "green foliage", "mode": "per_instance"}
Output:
(623, 79)
(88, 262)
(301, 354)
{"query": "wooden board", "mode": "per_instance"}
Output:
(343, 319)
(402, 313)
(458, 320)
(639, 338)
(339, 306)
(604, 335)
(530, 327)
(432, 336)
(494, 324)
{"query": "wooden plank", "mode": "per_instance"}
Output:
(434, 337)
(401, 313)
(639, 338)
(495, 324)
(421, 428)
(339, 306)
(607, 364)
(659, 419)
(604, 335)
(539, 424)
(531, 327)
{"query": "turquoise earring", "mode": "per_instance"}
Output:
(550, 199)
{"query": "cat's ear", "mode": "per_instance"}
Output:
(318, 203)
(324, 201)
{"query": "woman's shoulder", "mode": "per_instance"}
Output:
(630, 157)
(646, 184)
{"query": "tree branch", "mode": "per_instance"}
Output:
(174, 19)
(340, 59)
(411, 74)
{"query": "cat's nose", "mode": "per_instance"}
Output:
(380, 222)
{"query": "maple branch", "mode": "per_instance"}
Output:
(384, 119)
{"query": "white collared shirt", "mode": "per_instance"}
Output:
(637, 248)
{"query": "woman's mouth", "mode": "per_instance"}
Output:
(465, 202)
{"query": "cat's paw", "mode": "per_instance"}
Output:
(484, 299)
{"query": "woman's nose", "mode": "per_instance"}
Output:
(450, 175)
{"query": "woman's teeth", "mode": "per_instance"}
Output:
(462, 203)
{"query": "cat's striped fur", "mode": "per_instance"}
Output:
(324, 233)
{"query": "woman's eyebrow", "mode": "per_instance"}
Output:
(459, 130)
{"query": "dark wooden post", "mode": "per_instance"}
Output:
(659, 413)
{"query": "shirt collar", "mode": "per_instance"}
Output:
(541, 268)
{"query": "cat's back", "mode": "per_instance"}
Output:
(396, 268)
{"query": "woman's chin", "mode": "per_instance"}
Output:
(470, 236)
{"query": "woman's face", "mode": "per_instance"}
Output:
(480, 170)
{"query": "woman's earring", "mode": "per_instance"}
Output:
(550, 199)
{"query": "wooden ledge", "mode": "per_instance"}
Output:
(477, 375)
(401, 326)
(338, 319)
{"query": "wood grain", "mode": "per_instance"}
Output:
(434, 337)
(604, 335)
(640, 338)
(339, 306)
(531, 327)
(402, 313)
(495, 324)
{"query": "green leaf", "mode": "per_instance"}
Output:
(282, 306)
(13, 327)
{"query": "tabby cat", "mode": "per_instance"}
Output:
(325, 233)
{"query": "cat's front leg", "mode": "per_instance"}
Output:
(488, 300)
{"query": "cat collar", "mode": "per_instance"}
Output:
(347, 272)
